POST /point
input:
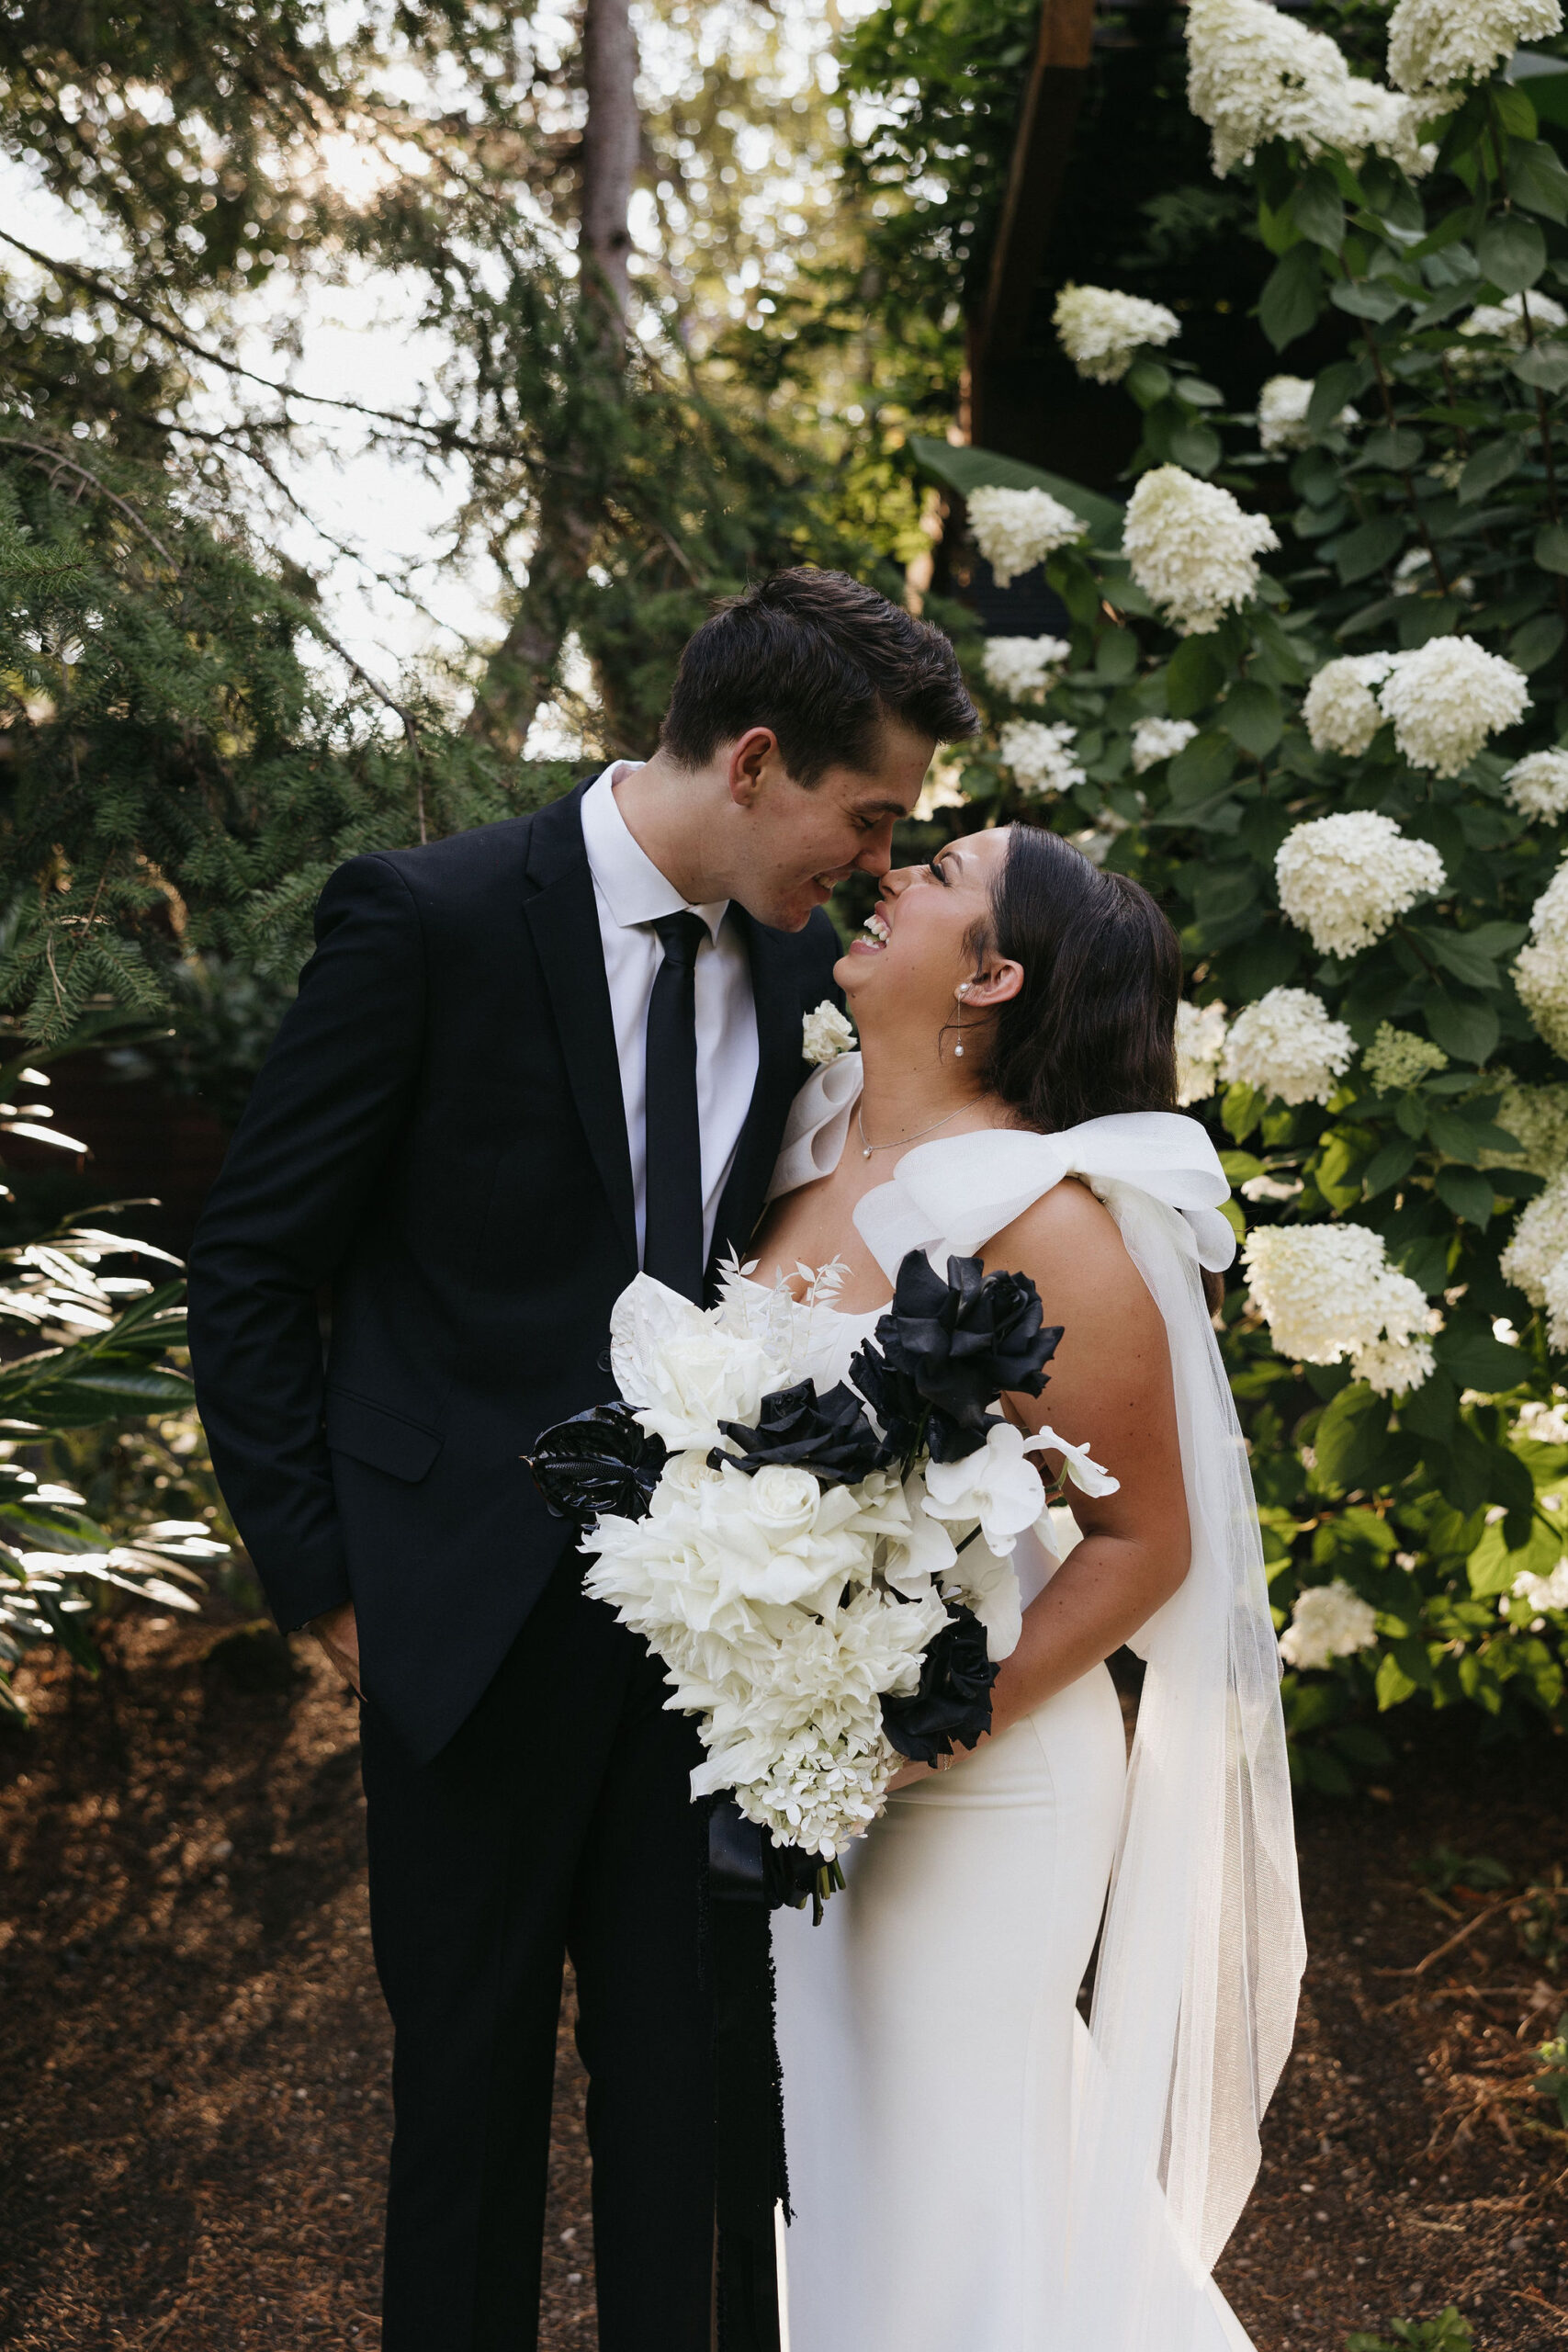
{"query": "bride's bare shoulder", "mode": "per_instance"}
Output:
(1067, 1240)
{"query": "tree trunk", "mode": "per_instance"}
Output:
(610, 141)
(569, 517)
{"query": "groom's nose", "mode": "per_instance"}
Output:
(876, 857)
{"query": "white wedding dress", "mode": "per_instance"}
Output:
(973, 2168)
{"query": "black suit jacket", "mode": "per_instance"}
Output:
(438, 1134)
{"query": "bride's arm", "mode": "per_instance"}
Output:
(1110, 1389)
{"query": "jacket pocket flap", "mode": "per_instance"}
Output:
(385, 1439)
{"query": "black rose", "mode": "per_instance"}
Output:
(958, 1344)
(953, 1706)
(830, 1435)
(599, 1464)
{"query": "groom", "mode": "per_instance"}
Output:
(523, 1062)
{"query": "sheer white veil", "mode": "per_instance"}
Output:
(1202, 1950)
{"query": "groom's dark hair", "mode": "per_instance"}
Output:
(826, 662)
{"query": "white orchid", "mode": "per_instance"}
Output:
(1089, 1475)
(997, 1487)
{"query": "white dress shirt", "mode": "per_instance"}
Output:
(631, 893)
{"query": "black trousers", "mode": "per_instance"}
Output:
(558, 1820)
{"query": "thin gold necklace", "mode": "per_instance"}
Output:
(867, 1148)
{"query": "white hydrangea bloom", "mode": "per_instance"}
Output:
(1394, 1367)
(1397, 1057)
(1539, 1117)
(826, 1034)
(1200, 1042)
(1254, 73)
(1433, 44)
(1282, 407)
(1289, 1047)
(1537, 1257)
(1543, 1592)
(1543, 1421)
(1343, 879)
(1540, 968)
(1328, 1291)
(1023, 667)
(1339, 707)
(1515, 320)
(1537, 785)
(1036, 750)
(1193, 549)
(1389, 123)
(1446, 698)
(1329, 1621)
(1102, 331)
(1016, 530)
(1159, 738)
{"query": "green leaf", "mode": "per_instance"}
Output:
(1250, 714)
(1148, 381)
(1514, 110)
(1387, 1166)
(1431, 1410)
(1193, 678)
(1318, 209)
(1476, 1360)
(1115, 654)
(1397, 447)
(1200, 394)
(1492, 1566)
(1394, 1685)
(1337, 385)
(1532, 647)
(1455, 1135)
(1200, 769)
(1292, 296)
(1550, 549)
(1492, 463)
(1511, 252)
(1350, 1435)
(1242, 1109)
(1537, 178)
(1544, 366)
(1467, 1193)
(1365, 298)
(964, 470)
(1458, 954)
(1369, 547)
(1197, 447)
(1467, 1031)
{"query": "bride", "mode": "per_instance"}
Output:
(973, 2168)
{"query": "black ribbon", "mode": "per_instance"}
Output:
(745, 1884)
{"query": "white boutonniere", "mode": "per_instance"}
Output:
(826, 1034)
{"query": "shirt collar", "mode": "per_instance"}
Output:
(627, 878)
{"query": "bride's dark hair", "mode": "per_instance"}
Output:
(1093, 1028)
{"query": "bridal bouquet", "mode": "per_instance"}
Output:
(829, 1576)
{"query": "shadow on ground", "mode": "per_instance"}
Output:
(194, 2053)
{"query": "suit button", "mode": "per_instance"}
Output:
(604, 1361)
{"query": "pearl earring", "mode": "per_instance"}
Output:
(962, 991)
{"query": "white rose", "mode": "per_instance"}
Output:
(826, 1034)
(784, 1501)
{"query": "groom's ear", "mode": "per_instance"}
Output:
(751, 758)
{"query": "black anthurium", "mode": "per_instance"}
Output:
(953, 1706)
(598, 1464)
(950, 1349)
(831, 1436)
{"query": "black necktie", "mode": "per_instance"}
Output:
(672, 1246)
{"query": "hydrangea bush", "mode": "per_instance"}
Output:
(1316, 697)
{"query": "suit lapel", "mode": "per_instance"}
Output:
(563, 916)
(779, 1073)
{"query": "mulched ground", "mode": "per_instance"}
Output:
(193, 2053)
